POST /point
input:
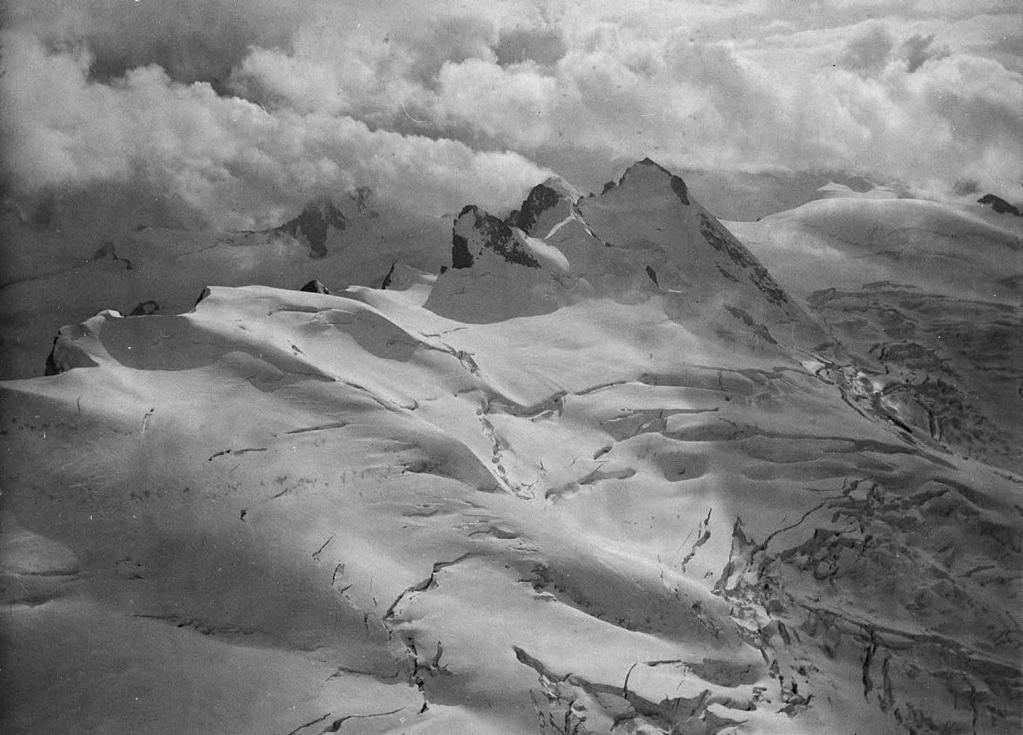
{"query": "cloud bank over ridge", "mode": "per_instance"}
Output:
(244, 108)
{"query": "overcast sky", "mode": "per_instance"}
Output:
(245, 108)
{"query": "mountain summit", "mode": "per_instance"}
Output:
(644, 236)
(551, 199)
(315, 223)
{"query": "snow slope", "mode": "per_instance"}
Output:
(746, 196)
(931, 298)
(62, 272)
(544, 491)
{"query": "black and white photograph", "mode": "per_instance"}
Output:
(515, 367)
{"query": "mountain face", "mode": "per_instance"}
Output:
(542, 199)
(643, 236)
(314, 223)
(476, 233)
(323, 217)
(614, 470)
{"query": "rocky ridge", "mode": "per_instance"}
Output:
(999, 205)
(643, 235)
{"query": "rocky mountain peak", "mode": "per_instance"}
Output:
(649, 171)
(476, 232)
(540, 199)
(314, 286)
(644, 236)
(314, 224)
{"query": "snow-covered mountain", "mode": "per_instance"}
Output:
(643, 235)
(929, 296)
(614, 469)
(340, 241)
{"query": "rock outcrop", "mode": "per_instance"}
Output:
(314, 286)
(145, 308)
(476, 231)
(999, 205)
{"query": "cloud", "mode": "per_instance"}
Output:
(869, 49)
(542, 45)
(1008, 50)
(873, 47)
(224, 156)
(191, 41)
(443, 104)
(918, 49)
(619, 87)
(447, 40)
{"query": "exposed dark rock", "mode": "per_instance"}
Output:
(651, 162)
(677, 184)
(653, 276)
(314, 225)
(387, 278)
(496, 235)
(679, 187)
(635, 167)
(107, 250)
(721, 240)
(999, 205)
(52, 368)
(65, 355)
(145, 308)
(314, 286)
(540, 199)
(758, 329)
(608, 187)
(727, 274)
(205, 292)
(460, 255)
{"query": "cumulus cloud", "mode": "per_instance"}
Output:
(543, 45)
(918, 49)
(226, 157)
(441, 104)
(627, 83)
(869, 49)
(191, 41)
(873, 47)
